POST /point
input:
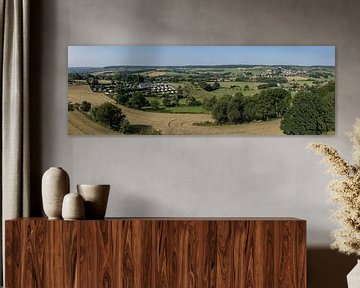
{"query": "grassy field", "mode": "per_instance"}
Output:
(179, 109)
(104, 82)
(300, 80)
(79, 82)
(225, 89)
(155, 73)
(79, 93)
(186, 109)
(297, 78)
(167, 123)
(235, 86)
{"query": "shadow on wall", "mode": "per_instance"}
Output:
(328, 268)
(36, 127)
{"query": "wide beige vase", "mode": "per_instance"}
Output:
(96, 198)
(55, 185)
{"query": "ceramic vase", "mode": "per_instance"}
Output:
(73, 207)
(55, 185)
(353, 278)
(96, 198)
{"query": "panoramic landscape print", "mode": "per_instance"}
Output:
(201, 90)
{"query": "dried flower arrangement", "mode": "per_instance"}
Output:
(345, 191)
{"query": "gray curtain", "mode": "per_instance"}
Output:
(14, 111)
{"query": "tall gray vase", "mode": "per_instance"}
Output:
(55, 185)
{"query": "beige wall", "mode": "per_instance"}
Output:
(193, 176)
(197, 176)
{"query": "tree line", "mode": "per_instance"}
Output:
(311, 111)
(269, 103)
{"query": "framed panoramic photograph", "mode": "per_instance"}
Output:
(201, 90)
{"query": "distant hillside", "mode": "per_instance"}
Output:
(145, 68)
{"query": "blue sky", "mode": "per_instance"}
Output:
(99, 56)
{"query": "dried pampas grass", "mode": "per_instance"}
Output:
(345, 191)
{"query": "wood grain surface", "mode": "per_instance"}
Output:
(160, 252)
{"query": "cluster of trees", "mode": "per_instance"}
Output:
(85, 106)
(267, 85)
(135, 100)
(192, 101)
(131, 78)
(200, 77)
(171, 100)
(76, 76)
(244, 77)
(312, 111)
(110, 116)
(320, 74)
(270, 103)
(71, 106)
(209, 87)
(154, 104)
(92, 80)
(107, 114)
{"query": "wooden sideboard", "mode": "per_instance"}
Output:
(156, 252)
